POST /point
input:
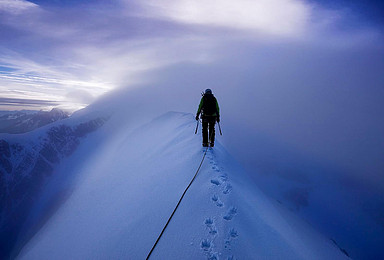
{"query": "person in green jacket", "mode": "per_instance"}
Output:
(210, 113)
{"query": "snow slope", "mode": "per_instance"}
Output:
(27, 162)
(123, 198)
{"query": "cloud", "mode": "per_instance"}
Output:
(26, 102)
(77, 50)
(16, 6)
(80, 96)
(96, 48)
(275, 17)
(24, 78)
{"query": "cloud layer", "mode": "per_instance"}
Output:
(16, 6)
(275, 17)
(51, 49)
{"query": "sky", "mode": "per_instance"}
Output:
(69, 53)
(305, 73)
(313, 66)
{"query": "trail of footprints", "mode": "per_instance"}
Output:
(221, 187)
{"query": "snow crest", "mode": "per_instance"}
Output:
(122, 200)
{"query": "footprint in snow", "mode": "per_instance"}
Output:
(213, 256)
(231, 235)
(205, 244)
(224, 177)
(231, 213)
(227, 188)
(209, 223)
(217, 201)
(215, 181)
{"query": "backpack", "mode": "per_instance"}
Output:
(209, 105)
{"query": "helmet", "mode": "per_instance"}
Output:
(208, 91)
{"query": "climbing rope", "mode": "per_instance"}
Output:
(182, 196)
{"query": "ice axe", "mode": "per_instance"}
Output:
(219, 128)
(197, 126)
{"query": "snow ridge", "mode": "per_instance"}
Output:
(121, 202)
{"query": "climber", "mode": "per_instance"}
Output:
(210, 113)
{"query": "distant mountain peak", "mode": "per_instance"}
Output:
(17, 122)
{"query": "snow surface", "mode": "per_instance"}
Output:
(123, 196)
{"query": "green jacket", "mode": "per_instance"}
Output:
(204, 113)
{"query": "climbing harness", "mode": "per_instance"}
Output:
(182, 196)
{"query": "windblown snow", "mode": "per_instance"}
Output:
(123, 196)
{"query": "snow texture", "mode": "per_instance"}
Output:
(27, 162)
(123, 197)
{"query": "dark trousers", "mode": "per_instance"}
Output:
(208, 129)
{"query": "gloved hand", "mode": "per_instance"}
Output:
(218, 119)
(197, 117)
